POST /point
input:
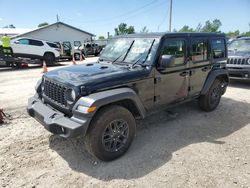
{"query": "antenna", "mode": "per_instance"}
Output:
(57, 18)
(170, 16)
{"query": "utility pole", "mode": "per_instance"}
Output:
(57, 18)
(170, 16)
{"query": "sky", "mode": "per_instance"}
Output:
(102, 16)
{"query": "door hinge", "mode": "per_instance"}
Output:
(157, 80)
(156, 98)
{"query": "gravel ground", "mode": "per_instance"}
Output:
(194, 149)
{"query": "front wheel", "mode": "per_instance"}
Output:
(77, 56)
(49, 58)
(111, 133)
(211, 99)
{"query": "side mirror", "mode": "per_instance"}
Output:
(17, 42)
(166, 61)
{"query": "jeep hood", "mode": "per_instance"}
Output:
(242, 54)
(96, 76)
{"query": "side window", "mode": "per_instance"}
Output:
(66, 45)
(199, 50)
(218, 48)
(52, 45)
(175, 47)
(77, 43)
(24, 41)
(35, 42)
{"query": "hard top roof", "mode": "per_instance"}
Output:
(174, 34)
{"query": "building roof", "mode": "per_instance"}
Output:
(44, 27)
(14, 31)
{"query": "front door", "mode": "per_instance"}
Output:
(171, 84)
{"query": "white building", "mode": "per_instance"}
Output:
(58, 32)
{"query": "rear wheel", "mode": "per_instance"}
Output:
(77, 56)
(111, 133)
(49, 58)
(211, 99)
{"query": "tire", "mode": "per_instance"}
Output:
(77, 56)
(211, 99)
(49, 58)
(111, 132)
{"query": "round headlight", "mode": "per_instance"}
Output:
(248, 61)
(73, 95)
(70, 96)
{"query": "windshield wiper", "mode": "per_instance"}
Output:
(149, 50)
(125, 55)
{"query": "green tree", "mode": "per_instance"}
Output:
(9, 26)
(144, 30)
(43, 24)
(101, 37)
(211, 26)
(246, 33)
(233, 33)
(123, 29)
(198, 28)
(186, 28)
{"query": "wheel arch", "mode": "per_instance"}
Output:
(124, 97)
(48, 52)
(221, 74)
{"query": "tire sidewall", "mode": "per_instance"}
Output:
(49, 58)
(98, 127)
(77, 56)
(211, 106)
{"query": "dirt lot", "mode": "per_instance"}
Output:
(195, 149)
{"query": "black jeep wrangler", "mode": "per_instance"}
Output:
(238, 63)
(134, 76)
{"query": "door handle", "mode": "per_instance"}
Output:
(185, 73)
(205, 69)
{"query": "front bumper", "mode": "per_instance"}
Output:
(239, 73)
(55, 121)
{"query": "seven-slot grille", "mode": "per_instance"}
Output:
(55, 92)
(238, 61)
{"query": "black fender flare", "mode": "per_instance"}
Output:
(103, 98)
(212, 76)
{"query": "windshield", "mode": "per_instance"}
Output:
(240, 45)
(129, 50)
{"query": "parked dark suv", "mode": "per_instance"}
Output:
(238, 63)
(135, 76)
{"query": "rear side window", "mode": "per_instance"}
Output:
(175, 47)
(199, 50)
(52, 45)
(218, 48)
(35, 42)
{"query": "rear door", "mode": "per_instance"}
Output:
(199, 63)
(37, 47)
(171, 84)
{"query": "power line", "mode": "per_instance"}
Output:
(126, 14)
(164, 19)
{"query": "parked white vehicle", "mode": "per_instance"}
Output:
(35, 49)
